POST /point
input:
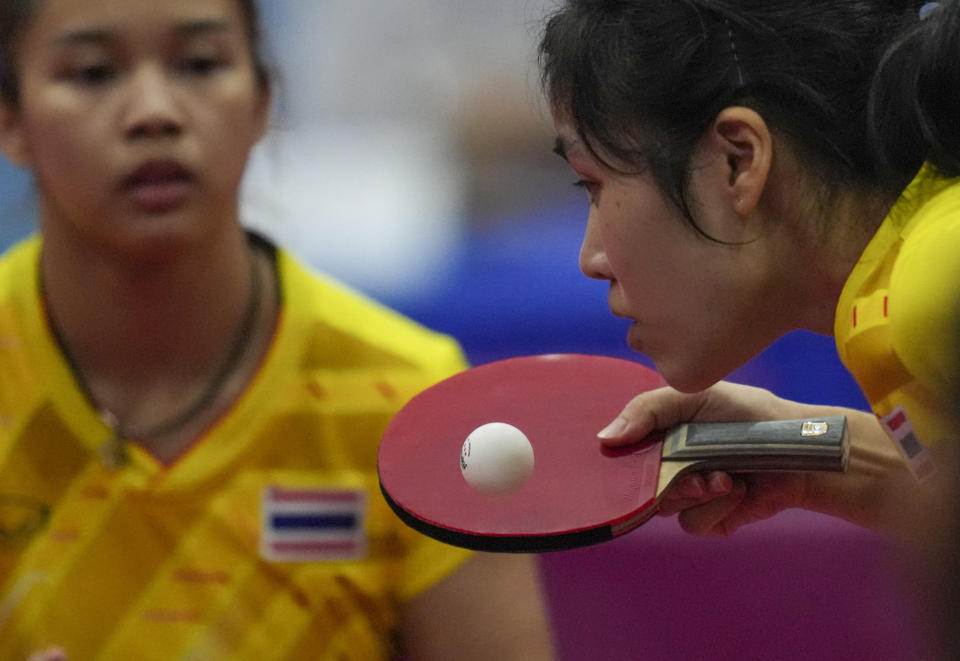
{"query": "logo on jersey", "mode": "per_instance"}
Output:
(313, 524)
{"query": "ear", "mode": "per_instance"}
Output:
(743, 139)
(12, 139)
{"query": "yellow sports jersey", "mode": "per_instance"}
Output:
(898, 319)
(268, 539)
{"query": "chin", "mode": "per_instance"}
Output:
(690, 383)
(148, 246)
(688, 377)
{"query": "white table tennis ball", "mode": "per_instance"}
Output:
(496, 459)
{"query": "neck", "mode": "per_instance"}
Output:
(151, 340)
(819, 242)
(119, 317)
(857, 220)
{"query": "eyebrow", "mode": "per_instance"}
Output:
(101, 36)
(203, 27)
(82, 37)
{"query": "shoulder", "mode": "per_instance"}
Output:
(17, 276)
(341, 324)
(15, 263)
(927, 266)
(22, 364)
(925, 290)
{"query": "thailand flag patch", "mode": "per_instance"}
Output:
(900, 429)
(313, 524)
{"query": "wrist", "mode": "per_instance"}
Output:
(877, 491)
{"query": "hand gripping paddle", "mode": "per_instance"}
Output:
(579, 493)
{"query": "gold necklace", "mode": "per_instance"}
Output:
(113, 452)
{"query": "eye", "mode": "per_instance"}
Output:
(200, 65)
(92, 75)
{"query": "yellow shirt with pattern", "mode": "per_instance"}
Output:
(898, 320)
(268, 539)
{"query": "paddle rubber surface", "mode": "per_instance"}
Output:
(579, 493)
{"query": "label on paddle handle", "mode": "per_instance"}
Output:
(802, 444)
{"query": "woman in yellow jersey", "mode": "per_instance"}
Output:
(189, 417)
(756, 167)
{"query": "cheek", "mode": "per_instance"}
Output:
(232, 129)
(61, 133)
(66, 162)
(64, 150)
(236, 105)
(645, 259)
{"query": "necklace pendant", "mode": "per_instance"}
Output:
(113, 453)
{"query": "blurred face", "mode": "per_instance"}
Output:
(136, 117)
(698, 306)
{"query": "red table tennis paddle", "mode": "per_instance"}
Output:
(579, 493)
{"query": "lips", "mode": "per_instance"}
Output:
(633, 332)
(616, 310)
(635, 338)
(159, 186)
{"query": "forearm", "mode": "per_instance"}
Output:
(878, 491)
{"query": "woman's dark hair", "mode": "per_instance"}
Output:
(914, 111)
(865, 91)
(15, 16)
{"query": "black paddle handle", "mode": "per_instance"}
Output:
(803, 444)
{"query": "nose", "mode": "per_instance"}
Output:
(593, 258)
(152, 109)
